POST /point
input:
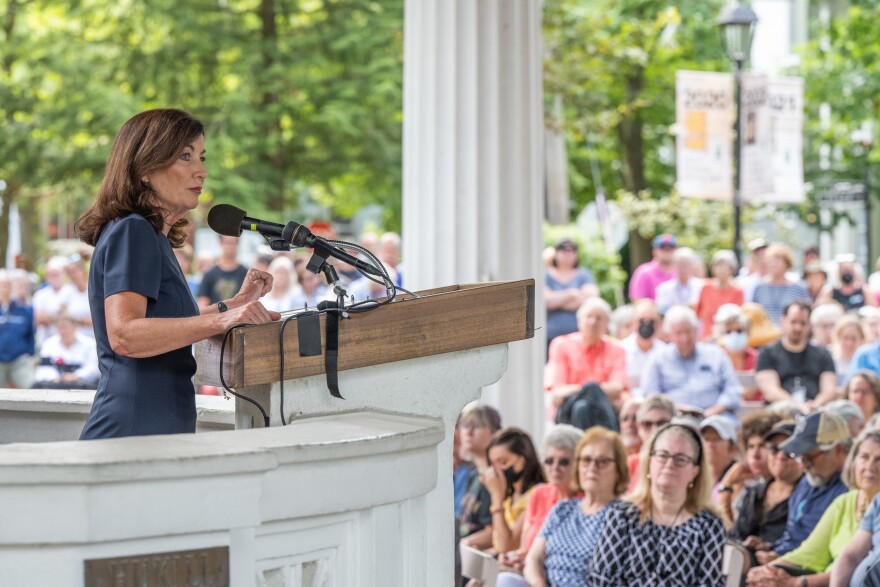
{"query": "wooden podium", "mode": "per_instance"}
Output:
(438, 321)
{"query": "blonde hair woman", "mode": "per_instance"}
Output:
(666, 532)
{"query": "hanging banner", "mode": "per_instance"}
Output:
(786, 102)
(756, 139)
(704, 141)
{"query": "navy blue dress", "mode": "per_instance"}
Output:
(154, 395)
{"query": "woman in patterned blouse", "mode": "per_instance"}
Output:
(562, 552)
(666, 534)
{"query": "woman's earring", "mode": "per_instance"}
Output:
(690, 485)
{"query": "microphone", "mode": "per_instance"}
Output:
(228, 220)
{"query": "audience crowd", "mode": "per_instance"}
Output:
(730, 411)
(46, 336)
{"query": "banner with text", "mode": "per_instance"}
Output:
(704, 141)
(786, 102)
(756, 144)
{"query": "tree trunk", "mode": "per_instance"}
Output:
(632, 145)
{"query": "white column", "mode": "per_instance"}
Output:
(473, 164)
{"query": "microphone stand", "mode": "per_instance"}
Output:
(318, 264)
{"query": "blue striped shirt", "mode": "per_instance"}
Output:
(775, 297)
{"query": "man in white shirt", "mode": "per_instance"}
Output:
(68, 360)
(51, 299)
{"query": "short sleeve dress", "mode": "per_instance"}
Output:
(153, 395)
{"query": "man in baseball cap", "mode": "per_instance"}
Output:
(820, 443)
(648, 276)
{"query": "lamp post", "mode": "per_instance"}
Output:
(737, 24)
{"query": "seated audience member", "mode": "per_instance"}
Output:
(870, 318)
(777, 291)
(629, 426)
(836, 528)
(849, 412)
(656, 411)
(754, 270)
(313, 290)
(821, 443)
(848, 336)
(850, 292)
(559, 469)
(586, 357)
(513, 473)
(731, 333)
(792, 368)
(823, 319)
(642, 343)
(692, 373)
(867, 357)
(857, 565)
(562, 552)
(815, 278)
(477, 425)
(648, 276)
(718, 291)
(285, 286)
(684, 288)
(719, 439)
(566, 287)
(763, 512)
(622, 322)
(68, 359)
(666, 533)
(863, 389)
(753, 466)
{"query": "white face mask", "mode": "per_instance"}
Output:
(736, 341)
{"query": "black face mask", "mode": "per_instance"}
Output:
(646, 329)
(847, 278)
(512, 476)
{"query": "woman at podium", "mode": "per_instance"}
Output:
(145, 318)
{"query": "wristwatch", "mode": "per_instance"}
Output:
(222, 307)
(725, 488)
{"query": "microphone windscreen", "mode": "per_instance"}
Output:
(226, 219)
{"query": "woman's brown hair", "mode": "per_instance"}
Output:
(148, 142)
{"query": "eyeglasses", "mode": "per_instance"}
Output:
(739, 330)
(647, 424)
(628, 418)
(808, 459)
(562, 462)
(666, 247)
(601, 462)
(471, 426)
(774, 450)
(679, 460)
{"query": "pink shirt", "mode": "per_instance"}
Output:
(542, 500)
(571, 360)
(646, 278)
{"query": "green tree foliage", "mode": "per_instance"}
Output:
(841, 70)
(302, 99)
(614, 64)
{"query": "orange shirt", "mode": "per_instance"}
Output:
(571, 360)
(542, 500)
(712, 298)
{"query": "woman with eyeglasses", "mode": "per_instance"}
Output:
(666, 532)
(655, 411)
(763, 511)
(863, 389)
(513, 473)
(629, 426)
(811, 562)
(562, 552)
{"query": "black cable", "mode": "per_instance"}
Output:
(223, 379)
(281, 366)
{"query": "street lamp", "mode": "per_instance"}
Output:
(737, 23)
